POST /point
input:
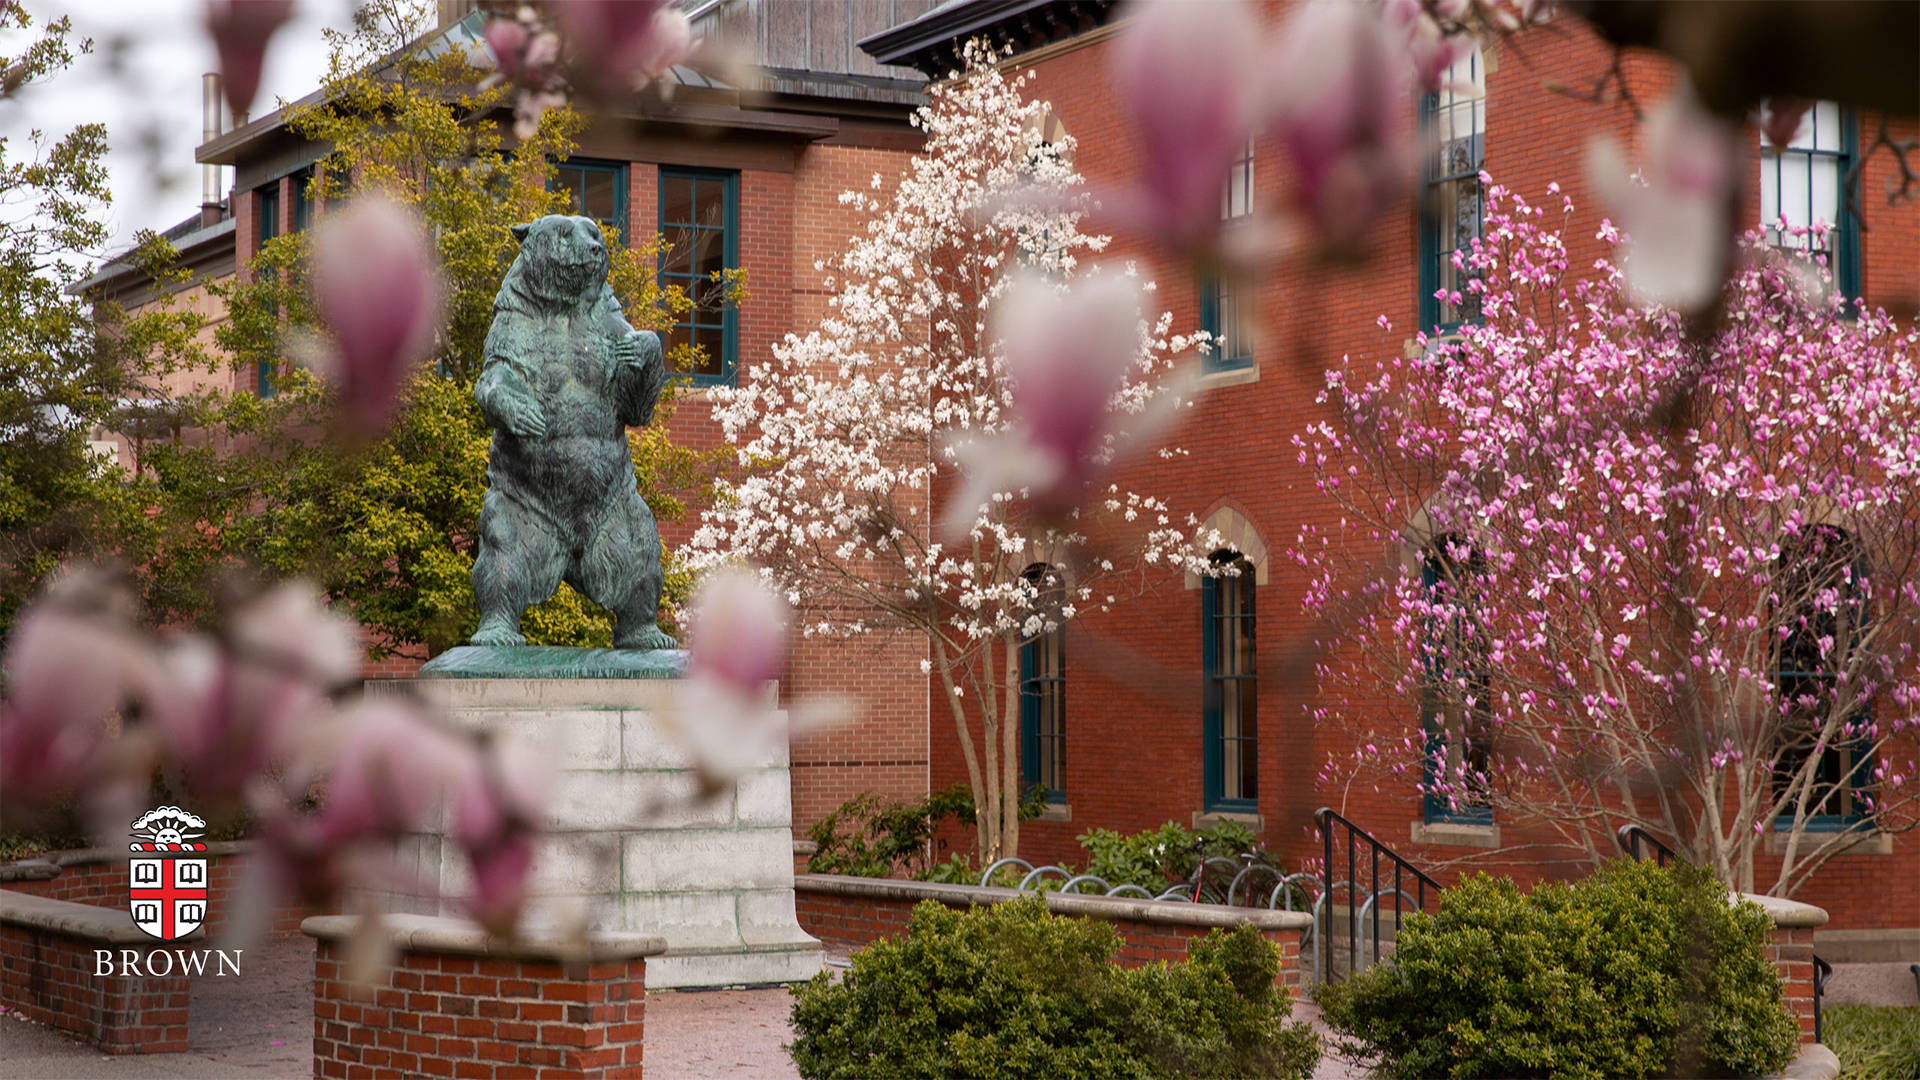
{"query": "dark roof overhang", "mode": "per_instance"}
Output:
(931, 43)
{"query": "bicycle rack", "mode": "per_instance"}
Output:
(1128, 888)
(1105, 889)
(1039, 873)
(986, 876)
(1397, 918)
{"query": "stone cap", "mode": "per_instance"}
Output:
(110, 926)
(1168, 912)
(28, 870)
(1787, 914)
(439, 934)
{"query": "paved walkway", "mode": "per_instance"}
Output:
(261, 1025)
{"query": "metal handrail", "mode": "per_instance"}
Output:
(1632, 837)
(1822, 971)
(1358, 840)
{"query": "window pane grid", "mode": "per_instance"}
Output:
(1232, 707)
(1808, 680)
(1456, 720)
(1456, 123)
(696, 222)
(1043, 668)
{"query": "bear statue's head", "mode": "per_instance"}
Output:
(562, 261)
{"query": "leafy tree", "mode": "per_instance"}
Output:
(861, 420)
(1647, 574)
(388, 528)
(68, 366)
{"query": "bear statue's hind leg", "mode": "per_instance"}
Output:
(620, 571)
(519, 565)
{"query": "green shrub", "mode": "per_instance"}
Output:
(867, 839)
(1637, 971)
(1874, 1042)
(1157, 858)
(1013, 991)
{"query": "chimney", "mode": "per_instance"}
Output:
(210, 94)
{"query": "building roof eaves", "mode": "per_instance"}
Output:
(929, 43)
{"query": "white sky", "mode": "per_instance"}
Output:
(150, 100)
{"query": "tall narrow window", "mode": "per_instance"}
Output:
(595, 189)
(1822, 600)
(266, 221)
(303, 193)
(1043, 697)
(1456, 710)
(1225, 309)
(1801, 186)
(1231, 705)
(698, 215)
(1455, 121)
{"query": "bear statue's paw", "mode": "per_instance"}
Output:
(645, 637)
(497, 635)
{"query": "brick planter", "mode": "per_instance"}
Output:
(856, 911)
(47, 972)
(98, 877)
(1792, 953)
(462, 1004)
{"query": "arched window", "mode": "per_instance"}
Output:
(1230, 721)
(1043, 689)
(1821, 599)
(1456, 716)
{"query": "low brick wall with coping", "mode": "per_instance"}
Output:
(98, 876)
(1791, 950)
(857, 911)
(47, 973)
(458, 1002)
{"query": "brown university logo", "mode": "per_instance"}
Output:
(168, 896)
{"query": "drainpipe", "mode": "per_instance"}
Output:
(209, 131)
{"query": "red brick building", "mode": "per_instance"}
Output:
(1137, 735)
(1140, 747)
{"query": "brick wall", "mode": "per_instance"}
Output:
(857, 912)
(98, 878)
(453, 1005)
(47, 975)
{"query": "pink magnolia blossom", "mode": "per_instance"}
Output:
(495, 817)
(392, 767)
(377, 286)
(1339, 88)
(72, 663)
(241, 30)
(1679, 221)
(622, 45)
(1187, 75)
(1780, 118)
(739, 630)
(1067, 355)
(1432, 48)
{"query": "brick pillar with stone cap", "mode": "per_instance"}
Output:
(459, 1002)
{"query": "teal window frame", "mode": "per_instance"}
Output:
(1227, 618)
(266, 226)
(1223, 314)
(1436, 809)
(1846, 767)
(1436, 260)
(1043, 713)
(302, 183)
(727, 319)
(616, 171)
(1844, 256)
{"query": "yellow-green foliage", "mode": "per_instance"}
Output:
(1013, 991)
(1874, 1042)
(1636, 971)
(388, 528)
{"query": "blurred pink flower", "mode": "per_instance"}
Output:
(1780, 118)
(377, 287)
(1067, 355)
(1678, 213)
(495, 818)
(621, 45)
(241, 30)
(739, 630)
(1187, 76)
(1430, 47)
(72, 662)
(1339, 85)
(391, 768)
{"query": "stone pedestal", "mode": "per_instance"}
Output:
(630, 843)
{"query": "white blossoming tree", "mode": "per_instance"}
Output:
(852, 439)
